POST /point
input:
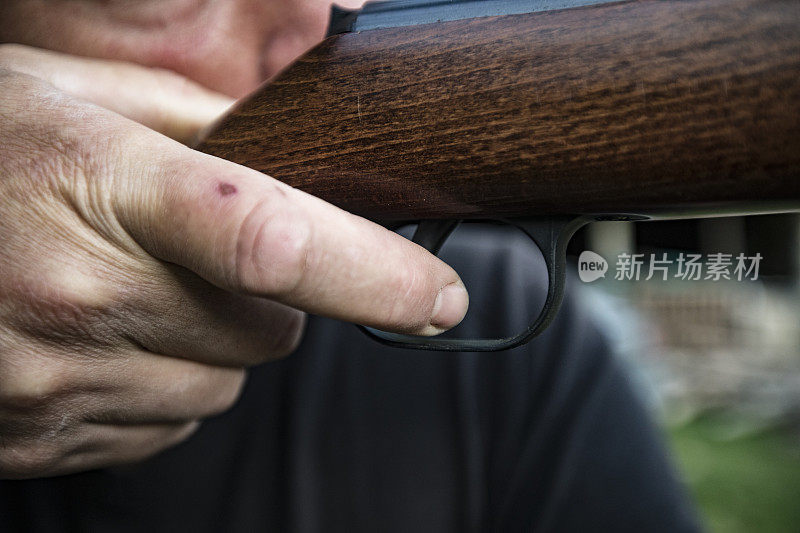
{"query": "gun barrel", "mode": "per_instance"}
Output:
(629, 107)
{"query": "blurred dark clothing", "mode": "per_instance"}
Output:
(348, 435)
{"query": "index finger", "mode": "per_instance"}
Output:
(246, 232)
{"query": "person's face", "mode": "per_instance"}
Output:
(227, 45)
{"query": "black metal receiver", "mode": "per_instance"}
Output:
(399, 13)
(550, 234)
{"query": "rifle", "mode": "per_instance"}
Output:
(545, 114)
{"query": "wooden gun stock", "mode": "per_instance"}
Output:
(628, 110)
(643, 107)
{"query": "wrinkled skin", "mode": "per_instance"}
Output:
(140, 278)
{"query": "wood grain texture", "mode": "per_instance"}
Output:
(624, 107)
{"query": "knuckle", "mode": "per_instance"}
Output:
(64, 308)
(45, 142)
(272, 331)
(225, 392)
(205, 392)
(50, 128)
(28, 384)
(176, 435)
(286, 337)
(164, 86)
(273, 250)
(152, 443)
(170, 82)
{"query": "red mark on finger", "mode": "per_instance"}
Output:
(226, 189)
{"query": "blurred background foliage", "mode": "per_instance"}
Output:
(718, 360)
(742, 482)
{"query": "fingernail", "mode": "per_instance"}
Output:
(450, 306)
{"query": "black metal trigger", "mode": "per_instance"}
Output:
(431, 234)
(551, 235)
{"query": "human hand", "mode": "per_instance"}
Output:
(140, 277)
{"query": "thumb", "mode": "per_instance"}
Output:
(159, 99)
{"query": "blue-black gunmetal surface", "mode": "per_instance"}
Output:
(397, 13)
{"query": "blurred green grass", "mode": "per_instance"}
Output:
(744, 480)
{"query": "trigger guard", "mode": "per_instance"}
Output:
(551, 235)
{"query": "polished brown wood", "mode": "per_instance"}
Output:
(627, 107)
